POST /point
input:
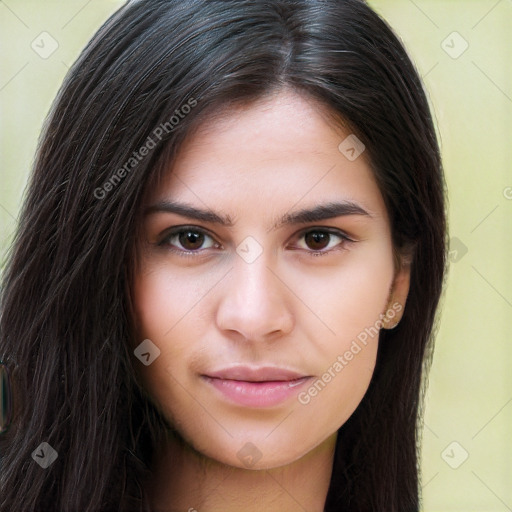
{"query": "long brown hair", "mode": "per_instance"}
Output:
(66, 314)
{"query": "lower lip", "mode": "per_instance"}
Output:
(257, 394)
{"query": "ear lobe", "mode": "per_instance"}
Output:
(397, 297)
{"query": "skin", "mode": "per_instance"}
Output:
(287, 308)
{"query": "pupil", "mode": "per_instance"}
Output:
(191, 239)
(317, 240)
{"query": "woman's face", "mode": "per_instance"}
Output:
(267, 268)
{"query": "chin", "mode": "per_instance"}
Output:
(258, 452)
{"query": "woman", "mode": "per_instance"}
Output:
(222, 291)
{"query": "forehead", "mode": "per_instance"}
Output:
(281, 149)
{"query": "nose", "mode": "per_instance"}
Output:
(255, 303)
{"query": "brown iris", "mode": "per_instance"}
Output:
(317, 240)
(191, 240)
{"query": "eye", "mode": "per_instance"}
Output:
(191, 241)
(321, 241)
(187, 240)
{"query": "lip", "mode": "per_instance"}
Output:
(256, 387)
(258, 374)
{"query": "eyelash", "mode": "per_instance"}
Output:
(197, 253)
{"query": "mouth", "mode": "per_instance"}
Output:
(256, 387)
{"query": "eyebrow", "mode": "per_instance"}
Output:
(321, 212)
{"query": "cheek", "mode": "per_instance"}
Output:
(350, 302)
(163, 306)
(350, 298)
(163, 310)
(346, 355)
(334, 396)
(162, 301)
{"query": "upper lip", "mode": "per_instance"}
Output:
(258, 374)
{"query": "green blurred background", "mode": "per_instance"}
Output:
(463, 50)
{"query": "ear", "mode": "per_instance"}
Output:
(398, 295)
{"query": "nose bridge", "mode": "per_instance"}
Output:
(253, 284)
(254, 301)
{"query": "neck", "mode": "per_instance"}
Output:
(184, 479)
